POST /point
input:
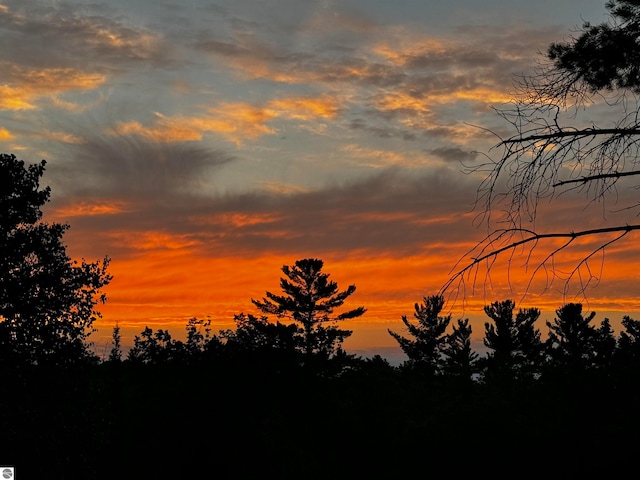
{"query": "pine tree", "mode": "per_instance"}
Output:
(310, 299)
(459, 359)
(514, 343)
(426, 348)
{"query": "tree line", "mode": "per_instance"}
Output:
(435, 346)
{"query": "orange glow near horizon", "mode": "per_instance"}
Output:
(164, 288)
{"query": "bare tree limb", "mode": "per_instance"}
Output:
(574, 128)
(597, 177)
(589, 132)
(486, 252)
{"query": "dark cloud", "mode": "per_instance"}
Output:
(461, 56)
(383, 131)
(233, 50)
(453, 154)
(390, 212)
(64, 35)
(132, 167)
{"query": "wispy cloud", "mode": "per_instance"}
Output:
(72, 35)
(5, 134)
(237, 122)
(26, 86)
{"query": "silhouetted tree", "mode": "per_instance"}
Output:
(629, 339)
(627, 353)
(47, 301)
(604, 345)
(310, 299)
(426, 348)
(459, 359)
(257, 334)
(572, 337)
(155, 347)
(199, 337)
(159, 347)
(515, 346)
(115, 355)
(604, 56)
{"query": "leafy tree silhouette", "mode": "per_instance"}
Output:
(199, 338)
(514, 343)
(47, 301)
(154, 347)
(263, 346)
(309, 299)
(426, 349)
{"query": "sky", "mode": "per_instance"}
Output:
(202, 145)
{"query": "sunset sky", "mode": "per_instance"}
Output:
(202, 145)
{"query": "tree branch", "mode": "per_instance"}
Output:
(589, 132)
(601, 176)
(534, 237)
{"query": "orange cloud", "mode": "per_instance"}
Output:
(153, 240)
(237, 219)
(236, 122)
(377, 158)
(51, 80)
(484, 95)
(28, 85)
(302, 108)
(14, 98)
(399, 53)
(283, 188)
(5, 134)
(165, 130)
(401, 101)
(87, 209)
(64, 137)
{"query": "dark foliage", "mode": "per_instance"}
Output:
(47, 301)
(240, 414)
(604, 56)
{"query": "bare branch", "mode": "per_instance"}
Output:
(486, 252)
(589, 132)
(575, 128)
(597, 177)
